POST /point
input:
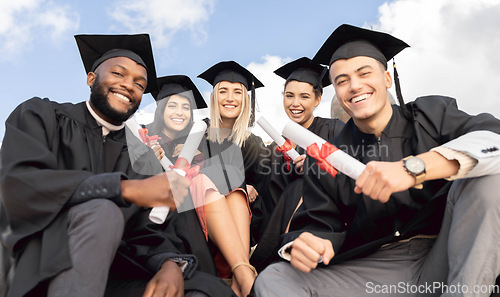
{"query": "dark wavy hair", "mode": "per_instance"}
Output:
(318, 91)
(159, 123)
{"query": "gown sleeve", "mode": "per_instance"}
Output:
(34, 188)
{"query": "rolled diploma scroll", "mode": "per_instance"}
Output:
(338, 159)
(159, 214)
(193, 141)
(134, 127)
(276, 136)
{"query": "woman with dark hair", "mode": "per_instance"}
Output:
(302, 93)
(173, 119)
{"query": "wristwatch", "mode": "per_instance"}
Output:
(416, 168)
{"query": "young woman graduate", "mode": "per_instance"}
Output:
(237, 153)
(176, 100)
(304, 85)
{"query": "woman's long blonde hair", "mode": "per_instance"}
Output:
(240, 130)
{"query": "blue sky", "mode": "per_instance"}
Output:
(40, 57)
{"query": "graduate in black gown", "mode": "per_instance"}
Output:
(282, 197)
(380, 229)
(231, 116)
(175, 101)
(173, 119)
(73, 206)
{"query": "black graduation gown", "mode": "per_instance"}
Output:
(230, 166)
(224, 166)
(280, 177)
(283, 193)
(49, 149)
(357, 225)
(256, 157)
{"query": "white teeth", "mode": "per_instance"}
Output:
(360, 98)
(229, 106)
(177, 120)
(296, 111)
(121, 97)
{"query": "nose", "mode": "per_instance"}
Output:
(295, 101)
(355, 84)
(178, 111)
(128, 83)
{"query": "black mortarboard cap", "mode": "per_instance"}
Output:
(95, 49)
(179, 84)
(232, 72)
(305, 70)
(349, 41)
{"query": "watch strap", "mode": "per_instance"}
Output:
(419, 179)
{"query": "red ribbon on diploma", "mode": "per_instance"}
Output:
(283, 149)
(143, 133)
(320, 155)
(183, 164)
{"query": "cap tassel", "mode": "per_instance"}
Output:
(252, 100)
(319, 85)
(402, 105)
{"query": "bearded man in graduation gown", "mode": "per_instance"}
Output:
(431, 171)
(70, 195)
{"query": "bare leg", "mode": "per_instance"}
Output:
(237, 203)
(228, 224)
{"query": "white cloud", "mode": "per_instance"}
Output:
(454, 49)
(162, 19)
(269, 98)
(24, 21)
(58, 20)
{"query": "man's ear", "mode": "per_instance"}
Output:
(91, 76)
(388, 79)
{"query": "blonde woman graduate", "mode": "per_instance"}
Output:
(234, 161)
(176, 98)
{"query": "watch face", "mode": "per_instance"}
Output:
(415, 165)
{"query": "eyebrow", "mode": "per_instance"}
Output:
(303, 93)
(125, 69)
(357, 70)
(364, 67)
(226, 88)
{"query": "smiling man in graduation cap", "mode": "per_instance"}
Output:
(424, 158)
(68, 190)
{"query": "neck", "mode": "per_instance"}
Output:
(227, 123)
(376, 123)
(308, 123)
(100, 120)
(170, 134)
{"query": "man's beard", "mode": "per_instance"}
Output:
(99, 100)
